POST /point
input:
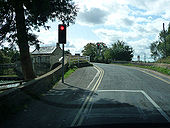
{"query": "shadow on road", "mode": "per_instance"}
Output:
(59, 106)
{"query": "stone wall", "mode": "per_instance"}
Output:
(13, 99)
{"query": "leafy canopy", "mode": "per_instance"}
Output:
(158, 48)
(37, 13)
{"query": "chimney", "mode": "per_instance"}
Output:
(38, 47)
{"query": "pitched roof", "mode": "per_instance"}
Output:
(44, 50)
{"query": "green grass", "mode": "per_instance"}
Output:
(158, 69)
(8, 76)
(69, 72)
(164, 60)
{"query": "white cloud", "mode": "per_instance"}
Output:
(79, 43)
(93, 16)
(137, 22)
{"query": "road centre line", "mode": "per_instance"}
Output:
(147, 96)
(88, 104)
(93, 78)
(85, 103)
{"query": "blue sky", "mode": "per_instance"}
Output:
(137, 22)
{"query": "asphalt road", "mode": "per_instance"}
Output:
(128, 95)
(103, 94)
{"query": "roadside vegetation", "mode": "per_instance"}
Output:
(18, 20)
(165, 71)
(100, 52)
(160, 49)
(70, 71)
(164, 60)
(8, 56)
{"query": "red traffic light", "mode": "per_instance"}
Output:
(62, 33)
(62, 28)
(98, 44)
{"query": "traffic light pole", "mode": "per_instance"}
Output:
(62, 40)
(63, 66)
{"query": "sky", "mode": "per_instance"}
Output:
(136, 22)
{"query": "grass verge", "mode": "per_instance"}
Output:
(158, 69)
(164, 60)
(8, 76)
(69, 72)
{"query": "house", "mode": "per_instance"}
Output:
(44, 58)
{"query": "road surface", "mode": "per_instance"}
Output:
(103, 94)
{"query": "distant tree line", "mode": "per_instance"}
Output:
(99, 52)
(158, 48)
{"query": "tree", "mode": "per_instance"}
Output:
(154, 50)
(90, 50)
(120, 51)
(8, 55)
(18, 19)
(3, 58)
(108, 55)
(158, 48)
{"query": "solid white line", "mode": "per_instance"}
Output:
(147, 96)
(156, 106)
(86, 100)
(118, 90)
(154, 76)
(93, 78)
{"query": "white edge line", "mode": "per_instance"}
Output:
(93, 78)
(154, 75)
(156, 106)
(147, 96)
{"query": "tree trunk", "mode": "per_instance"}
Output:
(26, 62)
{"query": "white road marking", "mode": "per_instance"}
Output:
(147, 96)
(118, 90)
(156, 106)
(89, 102)
(97, 74)
(86, 102)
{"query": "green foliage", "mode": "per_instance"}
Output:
(8, 55)
(90, 50)
(155, 68)
(118, 51)
(164, 60)
(157, 48)
(108, 54)
(19, 18)
(69, 72)
(37, 13)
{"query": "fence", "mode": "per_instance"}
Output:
(78, 59)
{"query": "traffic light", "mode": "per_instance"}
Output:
(98, 45)
(62, 33)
